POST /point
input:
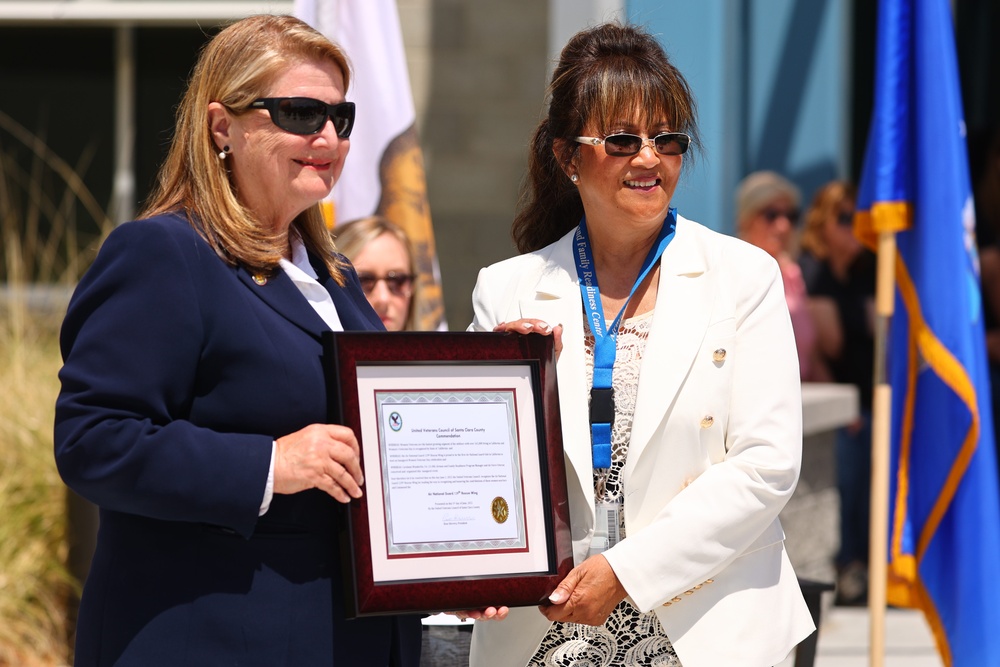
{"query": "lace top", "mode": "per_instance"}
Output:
(629, 637)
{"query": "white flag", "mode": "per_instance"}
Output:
(384, 173)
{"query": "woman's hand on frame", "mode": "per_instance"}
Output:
(588, 594)
(320, 456)
(487, 614)
(528, 325)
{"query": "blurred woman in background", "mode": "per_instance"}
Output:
(383, 257)
(767, 213)
(840, 280)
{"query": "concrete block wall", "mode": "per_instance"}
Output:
(478, 73)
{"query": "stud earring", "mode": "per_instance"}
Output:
(574, 178)
(224, 152)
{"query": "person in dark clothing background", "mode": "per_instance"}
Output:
(840, 281)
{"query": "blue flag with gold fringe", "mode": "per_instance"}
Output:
(944, 513)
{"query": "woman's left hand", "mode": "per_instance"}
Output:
(527, 326)
(487, 614)
(587, 595)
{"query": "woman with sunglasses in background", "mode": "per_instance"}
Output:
(383, 257)
(840, 280)
(194, 399)
(767, 213)
(679, 392)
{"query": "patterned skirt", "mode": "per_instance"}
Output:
(628, 638)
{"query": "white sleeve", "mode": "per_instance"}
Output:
(265, 504)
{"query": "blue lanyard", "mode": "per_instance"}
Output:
(602, 404)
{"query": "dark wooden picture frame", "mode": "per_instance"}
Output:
(345, 352)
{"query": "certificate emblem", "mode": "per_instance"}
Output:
(395, 421)
(500, 509)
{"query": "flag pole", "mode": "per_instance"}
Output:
(881, 421)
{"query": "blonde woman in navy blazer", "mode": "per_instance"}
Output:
(194, 397)
(706, 443)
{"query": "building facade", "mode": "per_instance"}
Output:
(781, 84)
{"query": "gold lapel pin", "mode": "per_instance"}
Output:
(719, 355)
(260, 279)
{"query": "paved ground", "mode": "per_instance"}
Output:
(843, 641)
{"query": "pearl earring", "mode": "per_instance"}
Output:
(224, 152)
(574, 178)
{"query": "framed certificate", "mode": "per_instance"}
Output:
(464, 501)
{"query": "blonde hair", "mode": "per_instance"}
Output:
(759, 189)
(824, 204)
(352, 237)
(235, 68)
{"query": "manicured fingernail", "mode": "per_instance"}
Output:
(546, 327)
(557, 597)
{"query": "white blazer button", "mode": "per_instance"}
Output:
(719, 355)
(707, 421)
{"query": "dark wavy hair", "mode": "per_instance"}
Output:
(604, 74)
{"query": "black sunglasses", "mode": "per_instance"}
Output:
(305, 115)
(772, 214)
(398, 283)
(845, 219)
(627, 145)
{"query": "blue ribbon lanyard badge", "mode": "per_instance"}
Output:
(602, 398)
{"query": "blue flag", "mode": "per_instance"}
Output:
(944, 513)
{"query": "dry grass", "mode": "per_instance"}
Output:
(34, 584)
(41, 205)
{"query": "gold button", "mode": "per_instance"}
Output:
(689, 591)
(260, 279)
(676, 600)
(710, 581)
(707, 421)
(667, 604)
(719, 355)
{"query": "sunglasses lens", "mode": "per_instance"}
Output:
(622, 145)
(301, 115)
(672, 143)
(343, 118)
(398, 284)
(772, 215)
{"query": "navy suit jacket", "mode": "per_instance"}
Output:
(179, 372)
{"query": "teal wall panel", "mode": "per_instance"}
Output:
(771, 78)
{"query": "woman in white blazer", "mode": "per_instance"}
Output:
(678, 470)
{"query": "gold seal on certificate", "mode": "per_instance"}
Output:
(500, 509)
